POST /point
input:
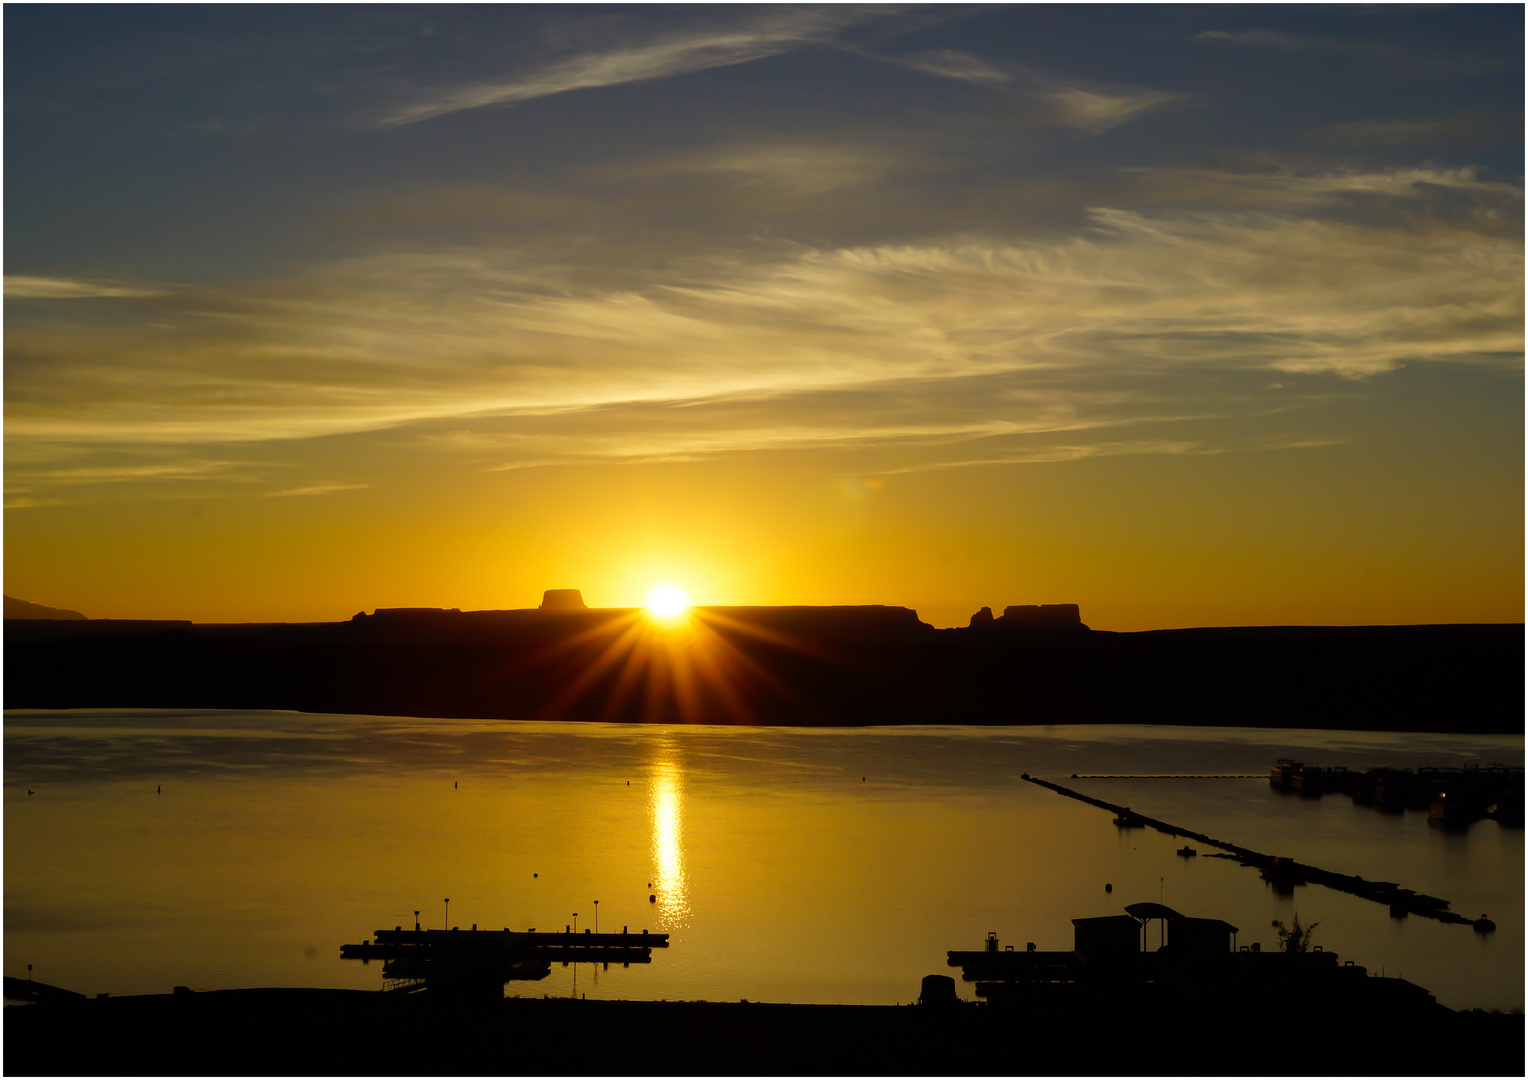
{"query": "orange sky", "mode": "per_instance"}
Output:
(1202, 317)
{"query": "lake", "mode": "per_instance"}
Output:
(219, 849)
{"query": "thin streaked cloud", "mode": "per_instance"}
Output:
(23, 287)
(409, 338)
(1091, 107)
(959, 66)
(1483, 126)
(1115, 448)
(66, 474)
(777, 31)
(315, 489)
(1400, 57)
(1098, 111)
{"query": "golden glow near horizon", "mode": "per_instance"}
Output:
(667, 601)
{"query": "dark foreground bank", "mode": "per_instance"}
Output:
(347, 1032)
(783, 665)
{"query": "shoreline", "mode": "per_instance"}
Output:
(297, 1031)
(846, 725)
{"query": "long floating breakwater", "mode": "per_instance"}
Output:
(1284, 872)
(1166, 776)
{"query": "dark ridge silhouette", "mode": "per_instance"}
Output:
(25, 609)
(783, 665)
(27, 990)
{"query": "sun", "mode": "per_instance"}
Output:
(667, 601)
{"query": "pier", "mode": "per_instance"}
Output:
(1166, 776)
(1285, 873)
(456, 957)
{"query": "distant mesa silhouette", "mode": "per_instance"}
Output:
(563, 600)
(1042, 615)
(938, 991)
(23, 609)
(410, 613)
(1030, 617)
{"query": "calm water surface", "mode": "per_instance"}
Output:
(806, 865)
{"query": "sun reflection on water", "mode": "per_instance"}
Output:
(667, 804)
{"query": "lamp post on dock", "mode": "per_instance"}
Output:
(575, 922)
(447, 902)
(596, 916)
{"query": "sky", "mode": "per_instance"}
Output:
(1189, 315)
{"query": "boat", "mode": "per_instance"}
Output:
(1309, 780)
(1454, 808)
(1187, 852)
(1283, 772)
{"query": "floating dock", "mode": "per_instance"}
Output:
(501, 955)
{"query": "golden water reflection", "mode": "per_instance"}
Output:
(667, 810)
(297, 832)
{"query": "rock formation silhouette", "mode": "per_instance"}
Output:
(23, 609)
(563, 600)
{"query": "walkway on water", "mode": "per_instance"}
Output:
(1167, 776)
(1284, 872)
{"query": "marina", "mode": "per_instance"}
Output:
(1452, 796)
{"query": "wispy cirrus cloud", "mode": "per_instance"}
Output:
(773, 32)
(1076, 451)
(314, 489)
(1484, 126)
(1416, 60)
(1114, 338)
(49, 474)
(1097, 110)
(21, 499)
(23, 287)
(1089, 106)
(1072, 452)
(798, 166)
(1289, 190)
(1271, 39)
(956, 65)
(97, 474)
(921, 414)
